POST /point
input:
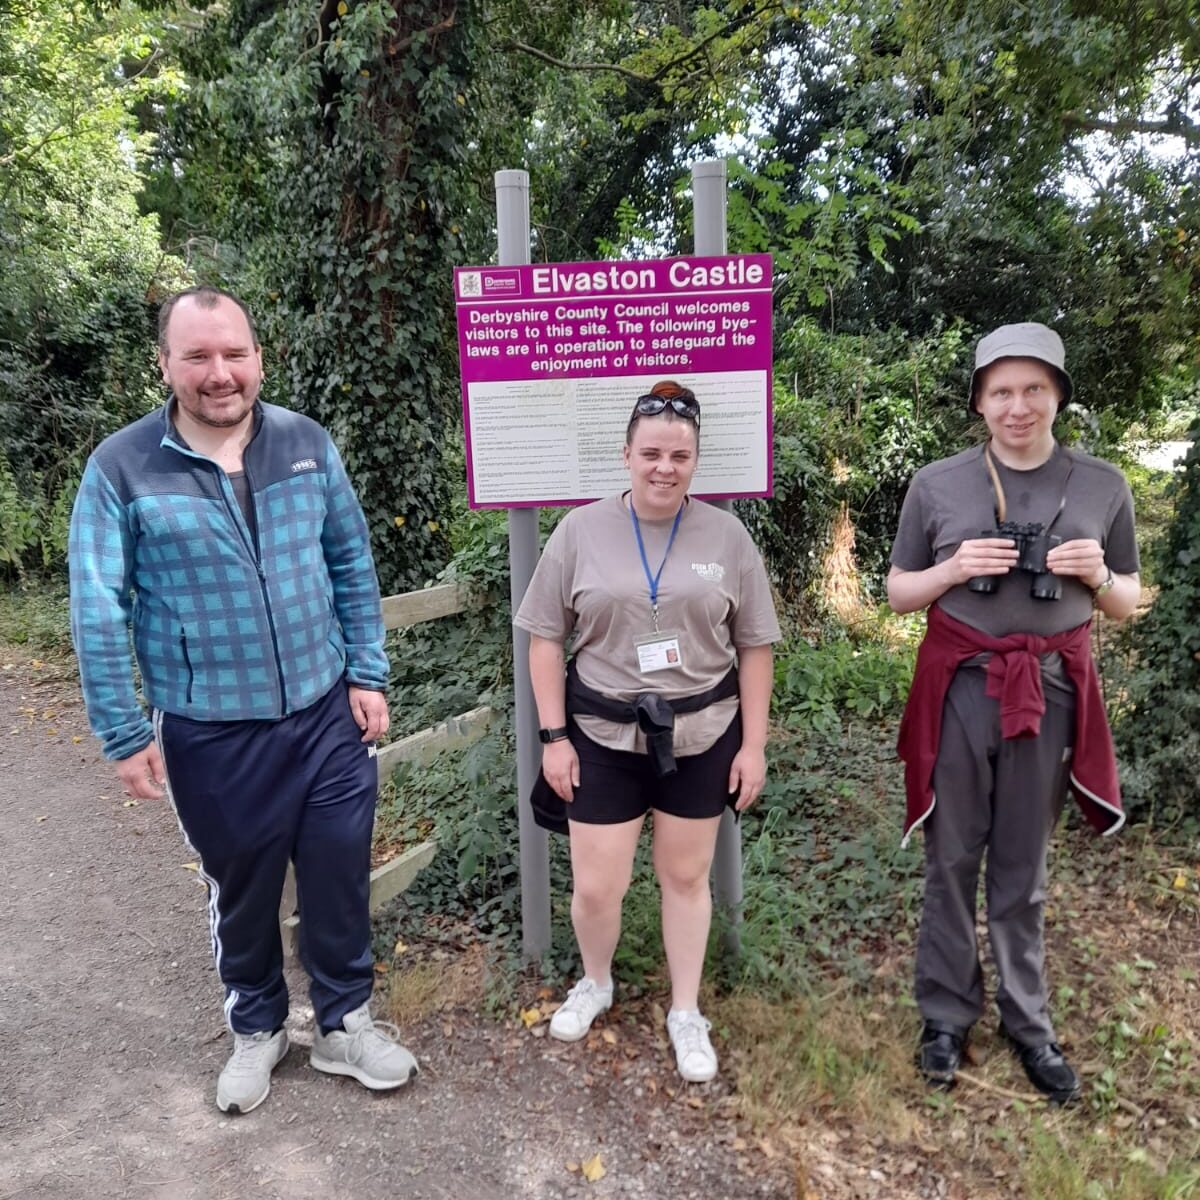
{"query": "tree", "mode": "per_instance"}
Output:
(1159, 734)
(77, 259)
(316, 166)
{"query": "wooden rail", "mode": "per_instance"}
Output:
(411, 608)
(449, 735)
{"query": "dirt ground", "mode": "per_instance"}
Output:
(114, 1037)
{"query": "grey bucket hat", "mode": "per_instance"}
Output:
(1026, 340)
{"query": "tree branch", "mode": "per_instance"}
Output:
(512, 44)
(443, 26)
(702, 46)
(655, 80)
(55, 135)
(1175, 125)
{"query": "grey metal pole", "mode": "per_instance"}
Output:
(512, 226)
(708, 207)
(710, 237)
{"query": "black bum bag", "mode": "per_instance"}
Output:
(655, 717)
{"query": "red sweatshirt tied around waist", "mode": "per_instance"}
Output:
(1014, 677)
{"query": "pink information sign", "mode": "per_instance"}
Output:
(554, 355)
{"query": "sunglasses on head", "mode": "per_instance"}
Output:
(684, 406)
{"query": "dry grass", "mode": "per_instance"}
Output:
(840, 582)
(833, 1081)
(838, 1051)
(832, 1076)
(417, 991)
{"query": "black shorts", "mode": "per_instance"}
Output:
(619, 785)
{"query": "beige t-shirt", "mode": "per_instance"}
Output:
(713, 595)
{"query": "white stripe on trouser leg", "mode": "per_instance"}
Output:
(214, 888)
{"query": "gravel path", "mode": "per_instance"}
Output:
(115, 1038)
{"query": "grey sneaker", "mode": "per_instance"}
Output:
(366, 1050)
(694, 1055)
(584, 1003)
(246, 1079)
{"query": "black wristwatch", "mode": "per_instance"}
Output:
(552, 735)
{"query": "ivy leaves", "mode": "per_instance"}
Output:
(344, 211)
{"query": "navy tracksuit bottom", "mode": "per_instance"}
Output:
(250, 795)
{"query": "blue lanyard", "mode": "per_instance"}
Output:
(652, 580)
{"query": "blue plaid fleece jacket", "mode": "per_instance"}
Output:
(229, 623)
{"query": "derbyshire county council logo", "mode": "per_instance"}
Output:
(711, 572)
(470, 283)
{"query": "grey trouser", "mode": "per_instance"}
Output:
(1005, 797)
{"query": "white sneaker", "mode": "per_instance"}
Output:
(694, 1055)
(584, 1003)
(246, 1079)
(366, 1050)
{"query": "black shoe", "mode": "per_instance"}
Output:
(1047, 1069)
(940, 1052)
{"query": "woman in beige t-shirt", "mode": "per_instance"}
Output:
(663, 595)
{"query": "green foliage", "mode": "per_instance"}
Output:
(855, 417)
(824, 874)
(34, 615)
(945, 136)
(33, 527)
(817, 687)
(846, 215)
(77, 259)
(331, 189)
(18, 521)
(1158, 733)
(1058, 1167)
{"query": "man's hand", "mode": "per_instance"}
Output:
(370, 712)
(560, 766)
(1081, 557)
(142, 775)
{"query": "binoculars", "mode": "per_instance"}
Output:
(1032, 544)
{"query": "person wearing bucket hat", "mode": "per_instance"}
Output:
(1009, 546)
(663, 709)
(1030, 340)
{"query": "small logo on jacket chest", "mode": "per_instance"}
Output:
(713, 572)
(304, 464)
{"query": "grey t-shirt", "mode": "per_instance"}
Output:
(951, 501)
(713, 594)
(241, 489)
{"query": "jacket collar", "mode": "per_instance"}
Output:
(170, 431)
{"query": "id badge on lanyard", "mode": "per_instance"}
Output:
(659, 650)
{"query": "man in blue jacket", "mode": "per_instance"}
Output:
(224, 534)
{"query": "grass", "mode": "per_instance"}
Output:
(820, 1052)
(34, 616)
(417, 990)
(817, 1028)
(834, 1050)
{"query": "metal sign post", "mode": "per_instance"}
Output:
(512, 227)
(710, 237)
(498, 288)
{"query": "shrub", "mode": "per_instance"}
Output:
(855, 417)
(1158, 733)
